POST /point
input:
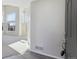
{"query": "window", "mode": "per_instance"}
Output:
(11, 20)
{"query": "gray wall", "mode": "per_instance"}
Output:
(48, 27)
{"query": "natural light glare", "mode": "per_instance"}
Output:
(11, 17)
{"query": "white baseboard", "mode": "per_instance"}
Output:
(46, 54)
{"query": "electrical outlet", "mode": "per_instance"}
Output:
(39, 48)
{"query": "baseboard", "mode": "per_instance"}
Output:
(46, 54)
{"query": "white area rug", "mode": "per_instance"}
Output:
(20, 46)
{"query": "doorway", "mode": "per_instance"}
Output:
(71, 29)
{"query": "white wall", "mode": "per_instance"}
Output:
(48, 27)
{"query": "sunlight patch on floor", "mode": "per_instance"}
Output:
(21, 46)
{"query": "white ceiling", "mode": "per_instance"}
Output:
(20, 3)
